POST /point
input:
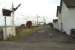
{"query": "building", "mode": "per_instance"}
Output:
(66, 16)
(59, 18)
(55, 23)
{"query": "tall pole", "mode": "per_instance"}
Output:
(5, 28)
(37, 20)
(5, 24)
(12, 15)
(44, 20)
(13, 25)
(61, 24)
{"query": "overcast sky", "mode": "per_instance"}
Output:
(29, 10)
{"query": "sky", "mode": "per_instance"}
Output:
(29, 10)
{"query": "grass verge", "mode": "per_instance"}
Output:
(23, 33)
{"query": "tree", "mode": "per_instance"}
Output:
(29, 24)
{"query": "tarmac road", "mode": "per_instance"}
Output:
(40, 40)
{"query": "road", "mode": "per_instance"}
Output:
(45, 39)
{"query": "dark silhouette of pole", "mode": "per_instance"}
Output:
(5, 27)
(38, 19)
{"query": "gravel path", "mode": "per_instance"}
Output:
(40, 40)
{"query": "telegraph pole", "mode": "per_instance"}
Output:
(44, 20)
(37, 20)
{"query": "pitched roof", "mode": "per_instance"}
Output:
(58, 10)
(70, 3)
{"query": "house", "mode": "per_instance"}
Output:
(55, 23)
(59, 18)
(66, 16)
